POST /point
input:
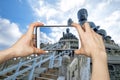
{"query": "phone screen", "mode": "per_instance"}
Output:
(57, 37)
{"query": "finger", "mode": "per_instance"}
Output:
(32, 26)
(87, 27)
(79, 29)
(79, 51)
(34, 40)
(39, 51)
(100, 40)
(93, 32)
(83, 28)
(95, 36)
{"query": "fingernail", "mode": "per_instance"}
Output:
(46, 51)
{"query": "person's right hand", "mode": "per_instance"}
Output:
(91, 43)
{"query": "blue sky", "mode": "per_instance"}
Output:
(17, 11)
(44, 30)
(16, 15)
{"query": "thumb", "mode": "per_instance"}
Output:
(79, 51)
(39, 51)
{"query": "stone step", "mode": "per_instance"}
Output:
(38, 71)
(52, 71)
(21, 77)
(45, 64)
(43, 78)
(2, 77)
(51, 76)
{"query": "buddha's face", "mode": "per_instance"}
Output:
(67, 30)
(82, 14)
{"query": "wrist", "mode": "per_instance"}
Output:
(11, 52)
(100, 67)
(101, 55)
(7, 54)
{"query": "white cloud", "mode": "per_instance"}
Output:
(113, 17)
(45, 39)
(98, 10)
(66, 5)
(111, 23)
(56, 13)
(9, 33)
(41, 8)
(103, 13)
(56, 33)
(52, 37)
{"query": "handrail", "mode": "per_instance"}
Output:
(15, 66)
(37, 61)
(29, 68)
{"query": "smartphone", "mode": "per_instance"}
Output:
(56, 37)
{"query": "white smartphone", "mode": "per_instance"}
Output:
(57, 37)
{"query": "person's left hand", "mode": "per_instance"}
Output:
(24, 46)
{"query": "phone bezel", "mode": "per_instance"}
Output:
(52, 26)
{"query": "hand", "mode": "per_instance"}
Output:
(91, 43)
(25, 45)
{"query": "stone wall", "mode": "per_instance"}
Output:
(114, 70)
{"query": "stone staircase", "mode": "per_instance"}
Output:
(49, 74)
(2, 77)
(41, 72)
